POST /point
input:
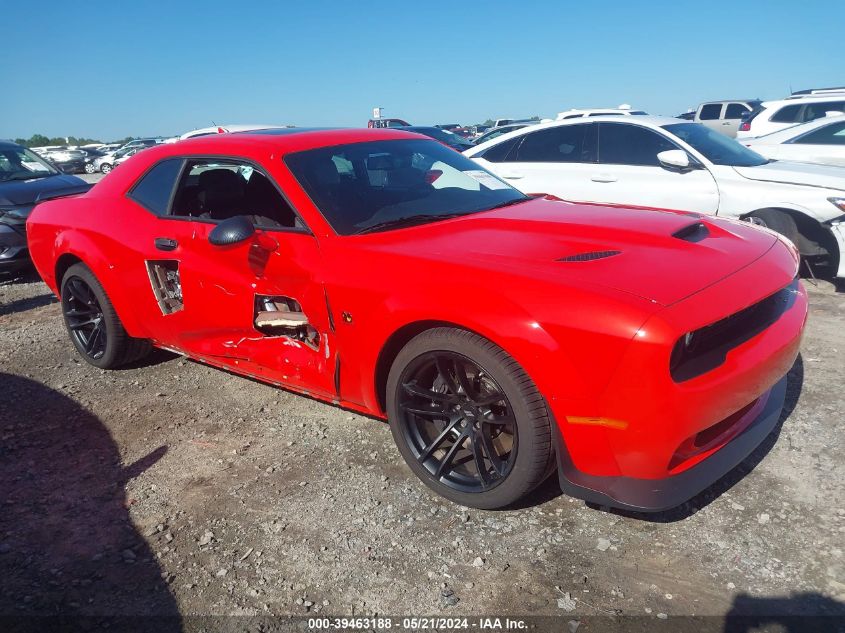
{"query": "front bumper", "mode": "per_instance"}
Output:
(652, 439)
(14, 254)
(656, 495)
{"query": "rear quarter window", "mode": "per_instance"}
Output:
(155, 188)
(787, 114)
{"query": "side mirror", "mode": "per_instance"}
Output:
(675, 159)
(231, 231)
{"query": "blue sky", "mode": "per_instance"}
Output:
(112, 69)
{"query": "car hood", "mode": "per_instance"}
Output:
(826, 176)
(16, 193)
(660, 256)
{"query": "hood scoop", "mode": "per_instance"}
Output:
(589, 257)
(694, 232)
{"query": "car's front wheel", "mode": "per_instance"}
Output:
(93, 324)
(467, 419)
(105, 168)
(89, 168)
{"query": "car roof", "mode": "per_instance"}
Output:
(802, 99)
(283, 140)
(730, 101)
(8, 144)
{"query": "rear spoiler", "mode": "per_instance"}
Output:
(75, 190)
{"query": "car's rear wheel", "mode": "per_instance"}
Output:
(467, 419)
(105, 168)
(93, 324)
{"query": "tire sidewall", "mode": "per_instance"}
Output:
(109, 316)
(518, 482)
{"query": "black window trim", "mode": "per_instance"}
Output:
(664, 136)
(188, 158)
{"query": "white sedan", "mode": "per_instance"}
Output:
(821, 141)
(672, 164)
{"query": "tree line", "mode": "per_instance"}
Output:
(39, 140)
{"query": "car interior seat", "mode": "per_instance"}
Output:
(221, 194)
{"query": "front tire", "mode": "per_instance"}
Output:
(105, 168)
(467, 419)
(777, 221)
(92, 323)
(89, 168)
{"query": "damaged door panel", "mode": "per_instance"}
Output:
(269, 321)
(283, 316)
(166, 284)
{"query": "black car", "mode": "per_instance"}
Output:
(25, 179)
(69, 161)
(447, 138)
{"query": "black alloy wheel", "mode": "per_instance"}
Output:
(467, 419)
(92, 322)
(457, 422)
(84, 318)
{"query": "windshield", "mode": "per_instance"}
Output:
(19, 163)
(361, 185)
(716, 147)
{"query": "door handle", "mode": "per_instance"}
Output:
(603, 178)
(513, 175)
(166, 244)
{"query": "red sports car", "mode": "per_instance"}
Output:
(640, 353)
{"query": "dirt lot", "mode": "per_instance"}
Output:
(171, 487)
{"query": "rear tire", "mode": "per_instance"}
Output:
(105, 168)
(486, 405)
(92, 323)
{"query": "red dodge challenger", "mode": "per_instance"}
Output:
(642, 354)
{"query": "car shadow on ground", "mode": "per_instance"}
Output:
(68, 549)
(795, 382)
(797, 613)
(30, 303)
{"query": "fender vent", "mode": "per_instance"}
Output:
(588, 257)
(694, 232)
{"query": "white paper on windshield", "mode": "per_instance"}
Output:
(488, 180)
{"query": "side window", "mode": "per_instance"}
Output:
(787, 114)
(828, 135)
(710, 112)
(815, 111)
(736, 110)
(215, 190)
(499, 153)
(154, 189)
(560, 144)
(622, 144)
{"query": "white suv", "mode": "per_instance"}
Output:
(800, 107)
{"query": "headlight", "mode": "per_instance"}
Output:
(839, 203)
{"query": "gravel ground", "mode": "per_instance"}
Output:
(172, 487)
